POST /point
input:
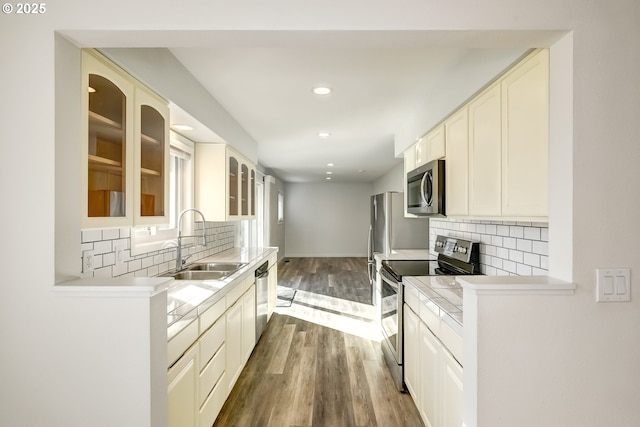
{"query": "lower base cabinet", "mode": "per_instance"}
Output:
(432, 375)
(183, 384)
(202, 377)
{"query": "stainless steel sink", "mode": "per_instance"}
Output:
(206, 271)
(228, 267)
(197, 275)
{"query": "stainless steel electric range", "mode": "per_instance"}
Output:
(455, 257)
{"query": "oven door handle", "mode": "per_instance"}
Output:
(390, 282)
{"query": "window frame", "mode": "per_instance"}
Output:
(162, 236)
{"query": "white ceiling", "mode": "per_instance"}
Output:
(269, 92)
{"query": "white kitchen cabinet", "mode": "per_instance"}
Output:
(432, 375)
(108, 117)
(183, 390)
(234, 343)
(421, 151)
(272, 293)
(430, 147)
(411, 325)
(248, 323)
(457, 163)
(151, 158)
(485, 151)
(224, 183)
(451, 392)
(212, 381)
(241, 331)
(409, 165)
(525, 138)
(127, 148)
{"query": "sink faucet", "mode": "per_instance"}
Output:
(179, 260)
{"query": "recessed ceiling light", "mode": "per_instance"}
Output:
(330, 165)
(324, 134)
(322, 90)
(328, 178)
(362, 171)
(181, 127)
(329, 172)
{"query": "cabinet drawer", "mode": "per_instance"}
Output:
(430, 314)
(412, 298)
(212, 340)
(212, 373)
(211, 407)
(212, 314)
(181, 342)
(452, 341)
(238, 290)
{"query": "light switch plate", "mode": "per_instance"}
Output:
(613, 284)
(119, 253)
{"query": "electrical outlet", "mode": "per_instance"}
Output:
(87, 261)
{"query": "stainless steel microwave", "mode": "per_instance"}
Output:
(425, 190)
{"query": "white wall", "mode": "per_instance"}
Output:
(326, 219)
(391, 181)
(596, 373)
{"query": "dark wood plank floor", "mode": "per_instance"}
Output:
(345, 278)
(304, 374)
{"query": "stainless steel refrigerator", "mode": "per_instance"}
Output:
(390, 230)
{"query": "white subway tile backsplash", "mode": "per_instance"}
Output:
(541, 248)
(510, 266)
(506, 247)
(110, 233)
(509, 242)
(503, 230)
(102, 247)
(502, 252)
(221, 236)
(532, 259)
(525, 245)
(532, 233)
(523, 270)
(109, 259)
(516, 256)
(91, 236)
(516, 231)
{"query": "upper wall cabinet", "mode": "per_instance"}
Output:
(457, 163)
(126, 155)
(525, 138)
(430, 147)
(224, 184)
(497, 147)
(485, 175)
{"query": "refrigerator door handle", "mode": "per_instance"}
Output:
(369, 248)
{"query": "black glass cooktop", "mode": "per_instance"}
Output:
(399, 268)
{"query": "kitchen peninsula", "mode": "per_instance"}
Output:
(123, 323)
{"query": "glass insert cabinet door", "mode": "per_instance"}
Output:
(127, 154)
(151, 158)
(152, 171)
(107, 100)
(107, 148)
